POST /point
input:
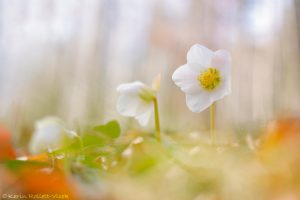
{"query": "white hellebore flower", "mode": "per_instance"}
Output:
(205, 78)
(49, 135)
(136, 100)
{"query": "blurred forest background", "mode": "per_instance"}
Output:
(66, 57)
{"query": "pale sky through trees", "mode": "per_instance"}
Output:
(66, 57)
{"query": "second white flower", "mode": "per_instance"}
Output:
(136, 100)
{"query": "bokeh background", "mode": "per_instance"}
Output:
(66, 57)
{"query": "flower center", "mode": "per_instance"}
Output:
(209, 79)
(147, 94)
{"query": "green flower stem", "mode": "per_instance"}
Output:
(212, 123)
(157, 124)
(80, 143)
(81, 152)
(52, 158)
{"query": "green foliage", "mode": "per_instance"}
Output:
(101, 154)
(111, 129)
(93, 140)
(17, 165)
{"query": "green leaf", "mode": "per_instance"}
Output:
(111, 129)
(93, 140)
(16, 165)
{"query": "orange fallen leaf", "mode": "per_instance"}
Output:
(282, 133)
(47, 181)
(6, 149)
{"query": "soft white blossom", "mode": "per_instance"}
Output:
(49, 135)
(136, 100)
(205, 78)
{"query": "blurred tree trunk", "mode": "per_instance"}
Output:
(297, 12)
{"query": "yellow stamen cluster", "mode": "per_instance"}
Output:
(209, 79)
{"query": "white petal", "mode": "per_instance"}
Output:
(186, 79)
(220, 92)
(35, 146)
(130, 88)
(144, 118)
(48, 134)
(198, 102)
(70, 133)
(131, 105)
(222, 61)
(199, 56)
